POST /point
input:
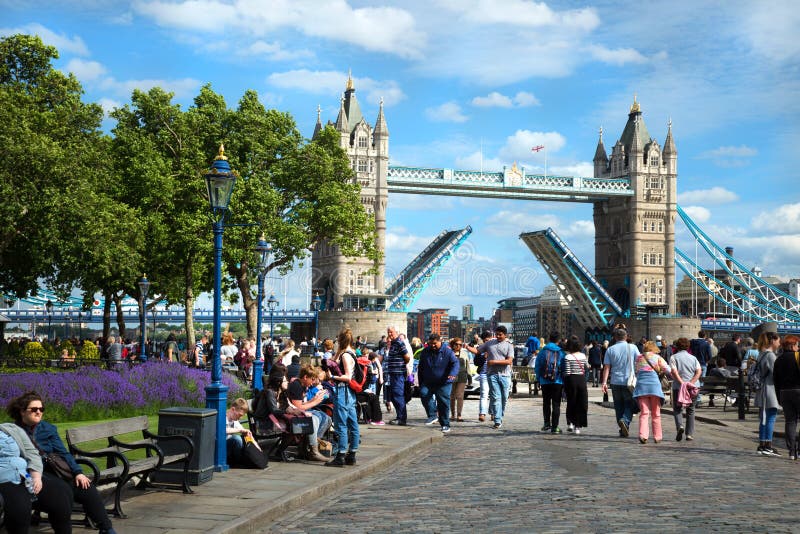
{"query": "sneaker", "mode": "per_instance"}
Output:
(445, 429)
(431, 420)
(497, 425)
(555, 430)
(377, 423)
(570, 427)
(689, 438)
(577, 431)
(482, 418)
(546, 428)
(397, 422)
(623, 428)
(680, 435)
(769, 451)
(642, 440)
(760, 449)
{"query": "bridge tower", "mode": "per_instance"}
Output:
(343, 281)
(635, 236)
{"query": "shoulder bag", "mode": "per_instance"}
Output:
(56, 464)
(632, 376)
(662, 376)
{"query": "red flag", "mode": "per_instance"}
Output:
(537, 148)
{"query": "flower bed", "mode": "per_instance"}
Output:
(91, 393)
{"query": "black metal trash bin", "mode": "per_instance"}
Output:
(199, 425)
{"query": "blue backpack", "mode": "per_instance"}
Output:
(551, 369)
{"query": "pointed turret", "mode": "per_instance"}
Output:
(600, 157)
(351, 106)
(669, 143)
(381, 130)
(341, 119)
(635, 128)
(318, 126)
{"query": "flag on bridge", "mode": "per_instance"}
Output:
(537, 148)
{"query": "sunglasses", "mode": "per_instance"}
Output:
(36, 409)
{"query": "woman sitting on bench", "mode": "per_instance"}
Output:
(272, 401)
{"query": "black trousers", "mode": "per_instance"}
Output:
(373, 404)
(551, 404)
(577, 400)
(55, 499)
(790, 400)
(92, 504)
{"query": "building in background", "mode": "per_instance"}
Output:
(467, 312)
(555, 314)
(526, 319)
(429, 321)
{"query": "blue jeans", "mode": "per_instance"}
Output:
(623, 403)
(234, 444)
(442, 402)
(321, 425)
(483, 402)
(398, 388)
(345, 420)
(766, 423)
(498, 394)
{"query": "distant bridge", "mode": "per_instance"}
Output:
(75, 316)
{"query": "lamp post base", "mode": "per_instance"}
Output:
(258, 375)
(216, 399)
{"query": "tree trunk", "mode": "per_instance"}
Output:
(250, 304)
(106, 315)
(120, 316)
(188, 303)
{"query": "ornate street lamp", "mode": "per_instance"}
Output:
(263, 249)
(272, 303)
(316, 303)
(49, 306)
(80, 328)
(144, 289)
(219, 183)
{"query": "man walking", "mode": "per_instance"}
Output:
(619, 365)
(397, 356)
(549, 372)
(499, 357)
(438, 368)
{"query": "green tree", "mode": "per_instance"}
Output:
(57, 222)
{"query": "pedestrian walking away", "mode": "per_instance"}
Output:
(648, 392)
(550, 374)
(686, 371)
(617, 368)
(575, 364)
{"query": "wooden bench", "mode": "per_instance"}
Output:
(121, 466)
(525, 374)
(715, 385)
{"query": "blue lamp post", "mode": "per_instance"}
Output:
(219, 182)
(144, 289)
(272, 303)
(49, 307)
(316, 303)
(263, 249)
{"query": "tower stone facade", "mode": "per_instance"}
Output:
(344, 282)
(635, 236)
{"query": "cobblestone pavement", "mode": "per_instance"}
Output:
(518, 479)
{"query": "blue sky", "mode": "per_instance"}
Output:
(466, 81)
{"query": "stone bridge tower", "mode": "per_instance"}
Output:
(344, 281)
(635, 236)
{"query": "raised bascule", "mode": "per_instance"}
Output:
(634, 197)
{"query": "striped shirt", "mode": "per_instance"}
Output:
(575, 364)
(395, 358)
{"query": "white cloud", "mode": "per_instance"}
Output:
(109, 105)
(584, 169)
(63, 43)
(522, 13)
(772, 31)
(698, 214)
(477, 162)
(85, 70)
(524, 99)
(715, 195)
(447, 112)
(333, 82)
(399, 240)
(382, 29)
(518, 146)
(182, 88)
(492, 100)
(741, 151)
(784, 220)
(619, 56)
(272, 51)
(497, 100)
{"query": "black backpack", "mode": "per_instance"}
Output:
(551, 369)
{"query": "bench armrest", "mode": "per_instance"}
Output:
(95, 470)
(159, 438)
(135, 445)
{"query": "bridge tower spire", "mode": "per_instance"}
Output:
(635, 237)
(341, 281)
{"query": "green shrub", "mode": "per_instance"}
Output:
(89, 351)
(34, 350)
(66, 344)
